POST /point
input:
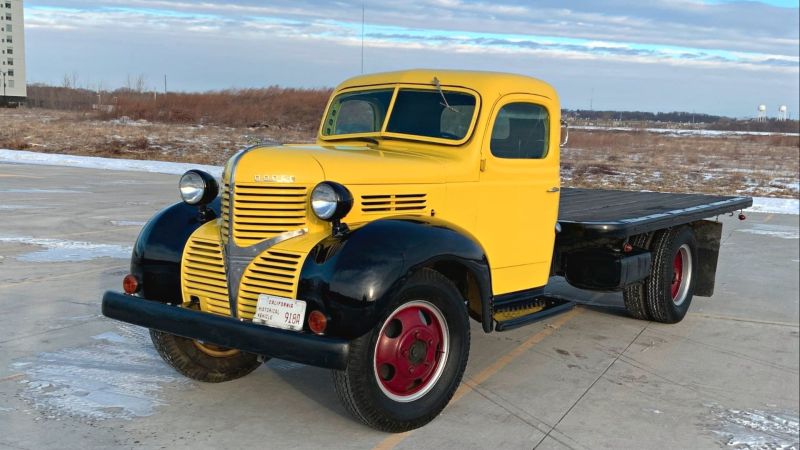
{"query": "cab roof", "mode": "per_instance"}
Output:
(488, 84)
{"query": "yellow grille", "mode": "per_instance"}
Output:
(204, 275)
(393, 203)
(262, 212)
(273, 272)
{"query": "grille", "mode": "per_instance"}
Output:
(274, 273)
(262, 212)
(226, 213)
(393, 203)
(204, 275)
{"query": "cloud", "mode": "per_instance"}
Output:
(742, 38)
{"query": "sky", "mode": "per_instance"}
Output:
(718, 57)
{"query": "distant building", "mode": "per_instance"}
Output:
(13, 89)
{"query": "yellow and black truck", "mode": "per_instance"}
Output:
(429, 197)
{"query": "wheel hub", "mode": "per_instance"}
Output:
(681, 274)
(410, 351)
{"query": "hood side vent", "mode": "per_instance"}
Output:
(388, 203)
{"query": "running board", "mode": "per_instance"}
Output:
(526, 311)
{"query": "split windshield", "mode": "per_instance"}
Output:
(428, 113)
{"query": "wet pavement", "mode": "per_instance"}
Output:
(727, 376)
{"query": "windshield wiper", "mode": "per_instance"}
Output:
(358, 138)
(441, 92)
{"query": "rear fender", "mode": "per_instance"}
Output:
(355, 277)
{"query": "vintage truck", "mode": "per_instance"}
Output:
(430, 197)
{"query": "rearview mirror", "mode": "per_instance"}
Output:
(564, 133)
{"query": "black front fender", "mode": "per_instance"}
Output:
(156, 258)
(354, 277)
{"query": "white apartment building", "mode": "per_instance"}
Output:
(12, 52)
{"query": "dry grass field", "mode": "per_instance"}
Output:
(745, 164)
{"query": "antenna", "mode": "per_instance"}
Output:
(761, 116)
(783, 113)
(362, 37)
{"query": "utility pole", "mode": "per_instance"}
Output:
(362, 37)
(165, 84)
(4, 85)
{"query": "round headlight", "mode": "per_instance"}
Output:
(331, 201)
(198, 187)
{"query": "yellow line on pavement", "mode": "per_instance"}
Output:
(16, 376)
(10, 175)
(469, 384)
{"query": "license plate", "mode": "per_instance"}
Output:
(280, 312)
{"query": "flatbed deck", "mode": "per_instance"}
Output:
(594, 213)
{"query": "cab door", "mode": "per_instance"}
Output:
(519, 190)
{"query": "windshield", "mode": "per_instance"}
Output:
(416, 112)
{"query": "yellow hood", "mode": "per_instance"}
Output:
(350, 165)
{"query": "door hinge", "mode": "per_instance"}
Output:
(483, 164)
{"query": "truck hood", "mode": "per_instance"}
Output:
(353, 165)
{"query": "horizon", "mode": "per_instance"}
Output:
(615, 56)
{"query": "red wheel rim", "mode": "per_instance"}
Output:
(411, 351)
(681, 274)
(677, 274)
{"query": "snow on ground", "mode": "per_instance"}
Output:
(56, 250)
(92, 162)
(756, 429)
(775, 205)
(118, 376)
(760, 204)
(684, 132)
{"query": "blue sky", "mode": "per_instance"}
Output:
(720, 57)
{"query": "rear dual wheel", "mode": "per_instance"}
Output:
(403, 373)
(665, 296)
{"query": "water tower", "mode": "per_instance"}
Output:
(783, 113)
(761, 116)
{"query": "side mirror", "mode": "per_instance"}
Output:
(564, 133)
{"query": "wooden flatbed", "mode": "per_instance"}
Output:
(597, 213)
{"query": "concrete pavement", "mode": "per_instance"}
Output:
(592, 378)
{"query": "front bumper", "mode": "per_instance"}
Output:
(303, 348)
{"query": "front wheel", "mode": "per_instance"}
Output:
(201, 361)
(403, 373)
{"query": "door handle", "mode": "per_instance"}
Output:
(553, 189)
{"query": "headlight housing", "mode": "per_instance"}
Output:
(198, 187)
(331, 201)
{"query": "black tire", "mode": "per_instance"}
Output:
(662, 305)
(203, 362)
(635, 295)
(358, 385)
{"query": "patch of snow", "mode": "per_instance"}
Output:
(756, 429)
(684, 132)
(58, 250)
(41, 191)
(120, 376)
(779, 231)
(127, 223)
(775, 205)
(16, 207)
(93, 162)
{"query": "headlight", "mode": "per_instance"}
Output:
(331, 201)
(198, 187)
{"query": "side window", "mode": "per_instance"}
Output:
(520, 132)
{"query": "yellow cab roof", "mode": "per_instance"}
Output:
(487, 84)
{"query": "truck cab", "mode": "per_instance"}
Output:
(429, 197)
